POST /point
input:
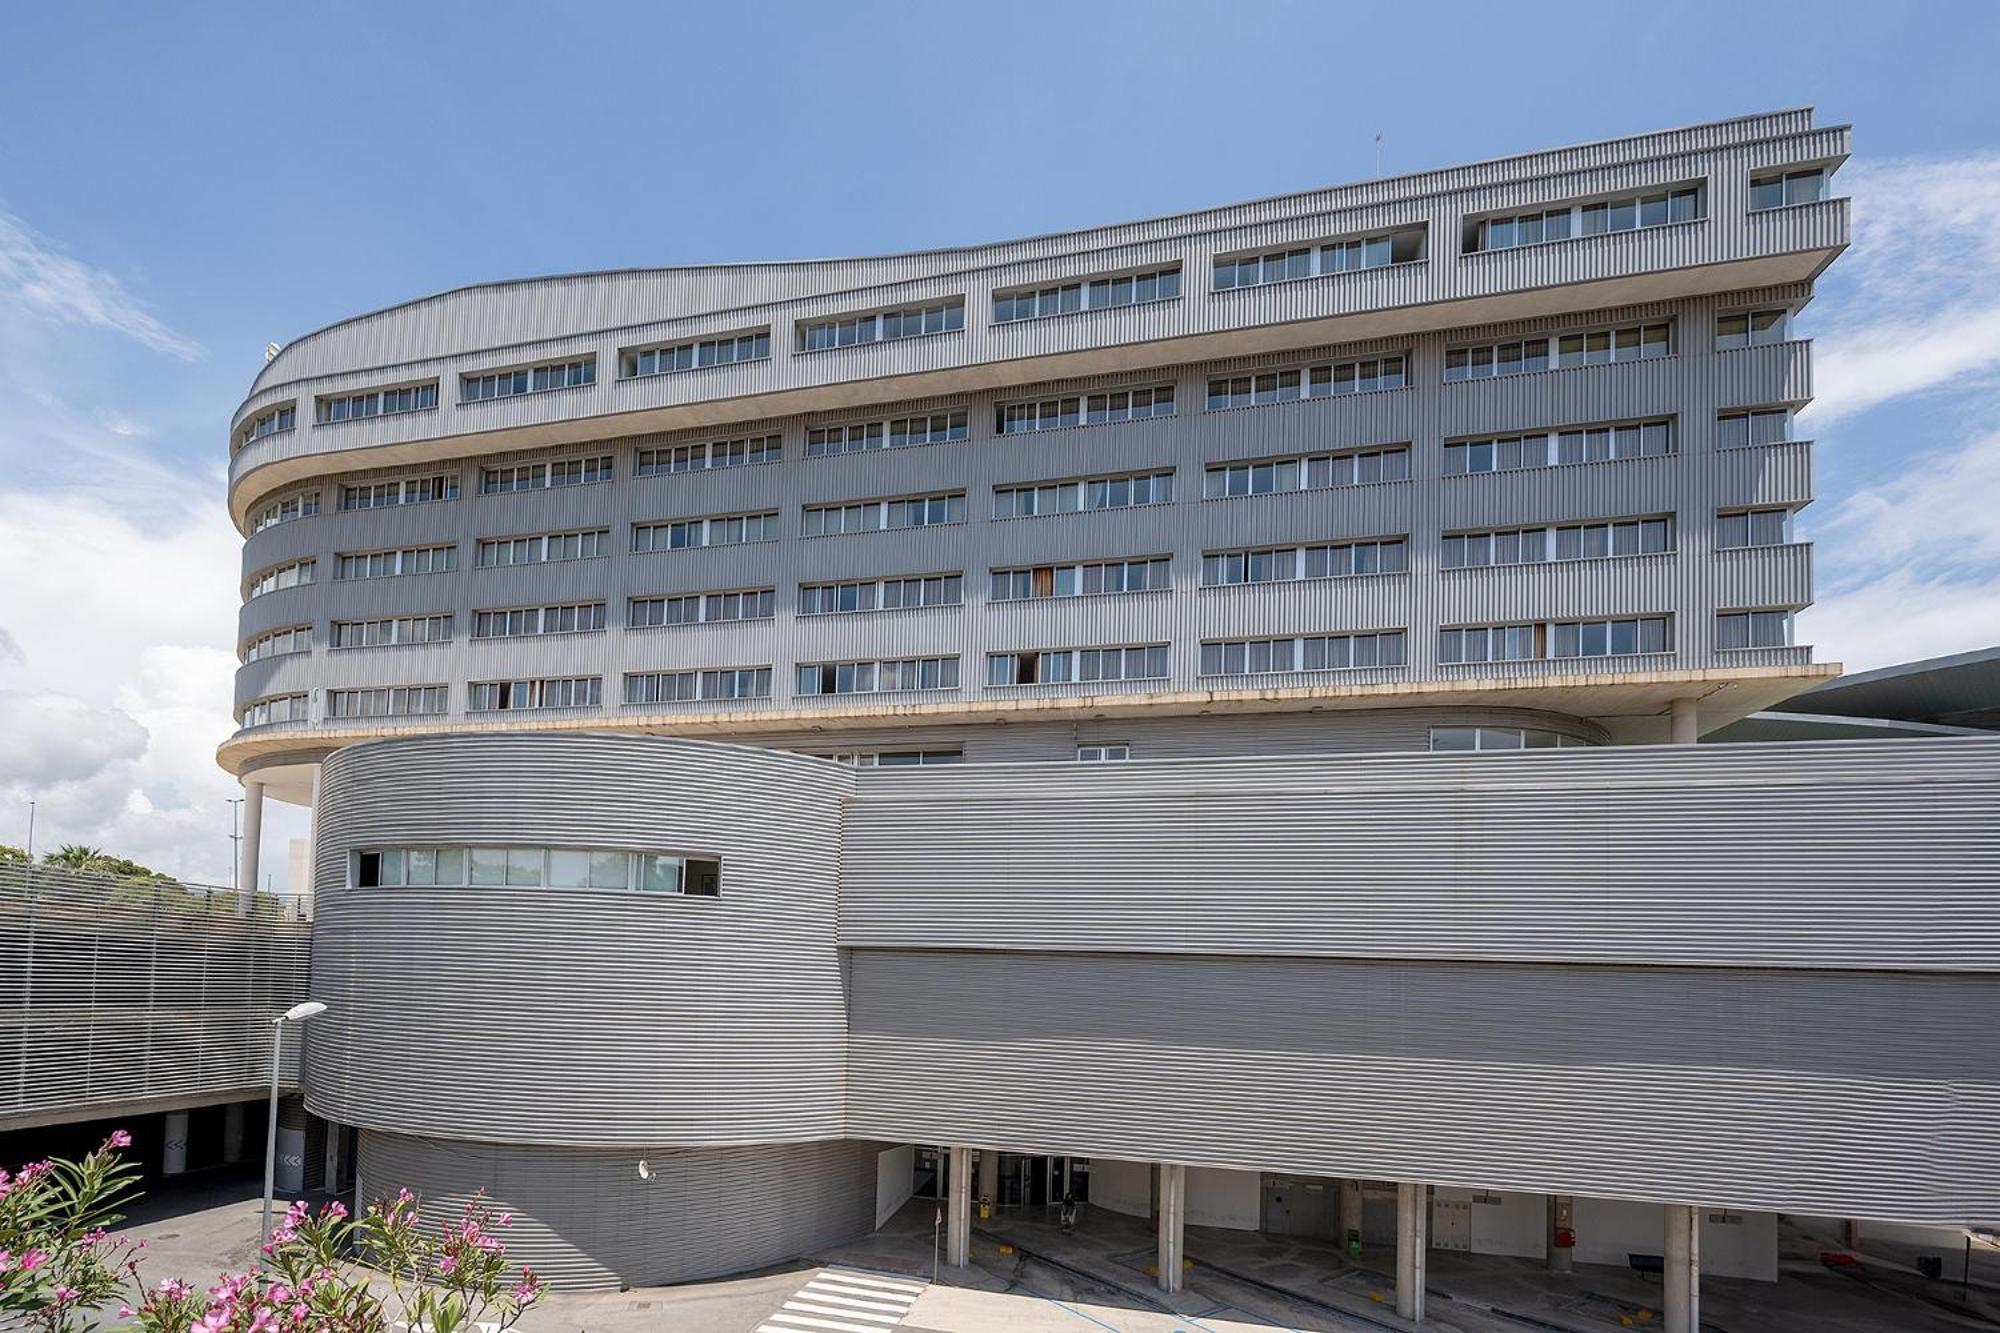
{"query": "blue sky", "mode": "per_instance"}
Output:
(181, 184)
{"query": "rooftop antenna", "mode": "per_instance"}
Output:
(1378, 152)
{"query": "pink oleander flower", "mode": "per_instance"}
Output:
(334, 1210)
(505, 1220)
(31, 1260)
(448, 1266)
(64, 1295)
(32, 1171)
(119, 1139)
(172, 1288)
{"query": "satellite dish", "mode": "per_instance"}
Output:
(645, 1172)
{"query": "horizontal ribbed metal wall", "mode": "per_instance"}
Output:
(1849, 1094)
(585, 1220)
(563, 1016)
(1862, 854)
(120, 996)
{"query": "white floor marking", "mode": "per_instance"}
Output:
(841, 1300)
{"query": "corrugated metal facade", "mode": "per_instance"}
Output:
(119, 997)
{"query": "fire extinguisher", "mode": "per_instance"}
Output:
(1565, 1238)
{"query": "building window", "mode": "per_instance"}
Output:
(1596, 347)
(1324, 381)
(1626, 213)
(493, 696)
(696, 608)
(1779, 188)
(1081, 580)
(1584, 638)
(860, 436)
(303, 505)
(1093, 409)
(894, 758)
(1573, 541)
(387, 701)
(404, 491)
(888, 326)
(531, 621)
(535, 379)
(1752, 328)
(391, 632)
(1064, 666)
(639, 362)
(378, 403)
(279, 643)
(1499, 738)
(278, 708)
(542, 548)
(536, 867)
(1116, 753)
(1074, 497)
(1753, 527)
(1581, 444)
(721, 530)
(394, 564)
(917, 673)
(1404, 245)
(917, 511)
(1011, 307)
(544, 476)
(1328, 652)
(1753, 629)
(1736, 430)
(1282, 564)
(269, 423)
(294, 574)
(711, 454)
(668, 687)
(1316, 472)
(892, 594)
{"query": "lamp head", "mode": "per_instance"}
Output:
(298, 1013)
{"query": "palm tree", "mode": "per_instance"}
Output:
(76, 856)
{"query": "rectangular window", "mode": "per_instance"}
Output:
(1063, 666)
(666, 687)
(378, 403)
(1751, 328)
(1652, 209)
(1779, 188)
(919, 673)
(1080, 580)
(404, 491)
(1330, 380)
(544, 476)
(639, 362)
(891, 594)
(1114, 753)
(1075, 497)
(1013, 306)
(701, 607)
(391, 632)
(1282, 564)
(276, 709)
(529, 867)
(1328, 652)
(1310, 473)
(494, 696)
(269, 423)
(1403, 245)
(535, 379)
(720, 530)
(902, 432)
(387, 701)
(1093, 409)
(1576, 541)
(295, 574)
(917, 511)
(532, 621)
(710, 454)
(303, 505)
(542, 548)
(1753, 629)
(1753, 527)
(1558, 639)
(1737, 430)
(1500, 738)
(280, 642)
(895, 758)
(395, 564)
(1577, 444)
(888, 326)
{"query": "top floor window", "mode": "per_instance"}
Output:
(643, 361)
(270, 423)
(536, 379)
(378, 403)
(1653, 209)
(888, 326)
(1404, 245)
(303, 505)
(1807, 186)
(1011, 307)
(1751, 328)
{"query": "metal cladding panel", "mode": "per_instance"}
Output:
(1849, 1094)
(582, 1017)
(1870, 854)
(585, 1220)
(114, 993)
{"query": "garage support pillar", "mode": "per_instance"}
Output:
(1686, 721)
(1562, 1233)
(989, 1175)
(174, 1143)
(1682, 1278)
(958, 1208)
(1173, 1223)
(1351, 1212)
(1412, 1244)
(232, 1132)
(251, 847)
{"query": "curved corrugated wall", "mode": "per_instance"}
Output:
(582, 1017)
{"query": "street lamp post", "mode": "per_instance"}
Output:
(298, 1014)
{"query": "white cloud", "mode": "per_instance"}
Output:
(37, 277)
(1903, 616)
(1935, 511)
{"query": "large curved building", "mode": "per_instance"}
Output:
(1496, 457)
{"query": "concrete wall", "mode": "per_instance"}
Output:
(1504, 1221)
(895, 1180)
(1217, 1198)
(1122, 1187)
(1745, 1245)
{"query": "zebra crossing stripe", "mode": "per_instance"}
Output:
(838, 1300)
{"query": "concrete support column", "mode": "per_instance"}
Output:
(958, 1208)
(1562, 1233)
(1351, 1213)
(1413, 1241)
(1173, 1224)
(1850, 1234)
(174, 1143)
(232, 1132)
(989, 1175)
(1686, 722)
(253, 836)
(1682, 1278)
